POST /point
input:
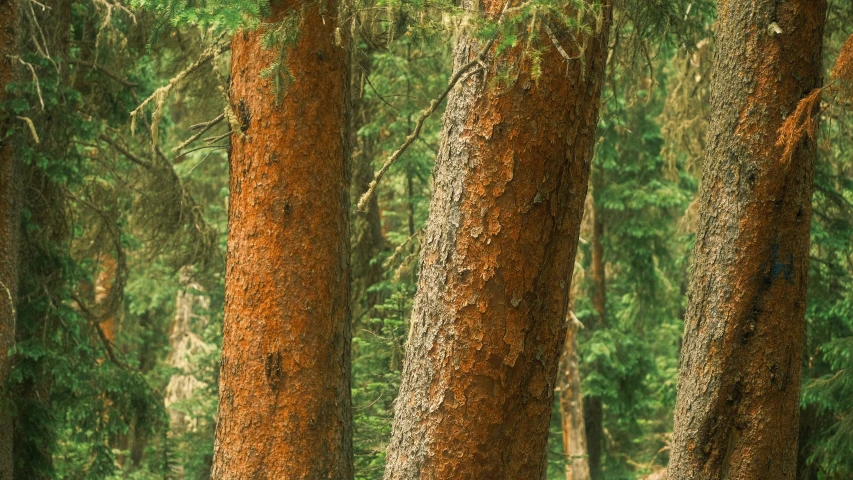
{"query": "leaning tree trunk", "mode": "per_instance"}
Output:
(488, 321)
(9, 224)
(738, 395)
(284, 408)
(571, 406)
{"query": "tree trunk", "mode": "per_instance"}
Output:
(738, 395)
(184, 344)
(571, 406)
(593, 406)
(367, 238)
(488, 323)
(284, 408)
(9, 233)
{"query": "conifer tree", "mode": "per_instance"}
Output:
(284, 408)
(739, 388)
(488, 325)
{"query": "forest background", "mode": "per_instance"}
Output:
(119, 107)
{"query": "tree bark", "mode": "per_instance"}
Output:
(738, 395)
(9, 234)
(284, 408)
(367, 238)
(593, 406)
(571, 406)
(488, 323)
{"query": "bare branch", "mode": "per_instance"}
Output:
(109, 73)
(204, 128)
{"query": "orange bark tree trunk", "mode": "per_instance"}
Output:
(284, 408)
(488, 320)
(738, 395)
(9, 235)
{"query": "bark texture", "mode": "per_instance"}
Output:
(488, 322)
(738, 394)
(571, 407)
(9, 234)
(284, 408)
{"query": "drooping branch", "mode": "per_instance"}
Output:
(158, 98)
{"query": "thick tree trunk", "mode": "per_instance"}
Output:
(738, 395)
(488, 322)
(9, 233)
(284, 408)
(571, 406)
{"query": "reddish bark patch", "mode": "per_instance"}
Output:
(284, 391)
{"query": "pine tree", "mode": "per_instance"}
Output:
(738, 394)
(488, 325)
(284, 407)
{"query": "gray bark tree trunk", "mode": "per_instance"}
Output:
(738, 394)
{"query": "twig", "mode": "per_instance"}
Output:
(399, 250)
(217, 138)
(130, 156)
(556, 43)
(109, 73)
(93, 319)
(202, 148)
(204, 128)
(11, 300)
(35, 77)
(32, 127)
(457, 76)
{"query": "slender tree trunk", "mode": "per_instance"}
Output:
(738, 394)
(367, 238)
(284, 408)
(488, 320)
(593, 406)
(571, 406)
(9, 233)
(184, 345)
